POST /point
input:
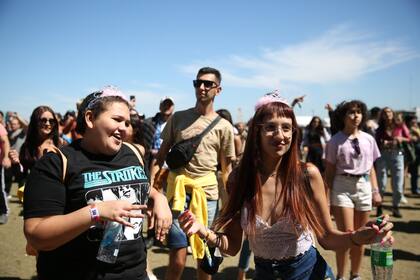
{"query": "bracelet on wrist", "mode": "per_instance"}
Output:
(206, 237)
(218, 240)
(375, 191)
(94, 213)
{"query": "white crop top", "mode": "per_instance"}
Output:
(282, 240)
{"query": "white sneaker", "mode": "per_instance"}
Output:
(151, 275)
(3, 219)
(404, 200)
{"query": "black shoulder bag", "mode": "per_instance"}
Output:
(211, 260)
(182, 152)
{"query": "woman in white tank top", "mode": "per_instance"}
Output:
(280, 203)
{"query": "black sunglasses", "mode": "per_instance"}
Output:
(207, 84)
(46, 120)
(355, 145)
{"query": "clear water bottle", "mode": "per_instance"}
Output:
(110, 244)
(381, 259)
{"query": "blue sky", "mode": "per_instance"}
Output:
(56, 52)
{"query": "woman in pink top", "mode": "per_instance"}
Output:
(4, 163)
(401, 130)
(280, 203)
(351, 177)
(390, 138)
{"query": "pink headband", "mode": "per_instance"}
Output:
(112, 91)
(270, 97)
(106, 91)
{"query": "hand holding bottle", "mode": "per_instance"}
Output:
(119, 211)
(381, 257)
(374, 231)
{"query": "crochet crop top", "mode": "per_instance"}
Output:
(282, 240)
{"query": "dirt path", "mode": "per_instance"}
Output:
(14, 265)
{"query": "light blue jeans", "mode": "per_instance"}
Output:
(393, 160)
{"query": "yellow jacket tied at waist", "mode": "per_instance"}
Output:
(178, 186)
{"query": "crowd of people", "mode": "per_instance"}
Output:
(267, 186)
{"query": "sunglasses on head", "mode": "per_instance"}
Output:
(207, 84)
(355, 145)
(47, 120)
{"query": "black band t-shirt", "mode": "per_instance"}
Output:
(89, 178)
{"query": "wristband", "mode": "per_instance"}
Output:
(375, 191)
(94, 213)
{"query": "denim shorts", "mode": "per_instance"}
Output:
(308, 266)
(176, 237)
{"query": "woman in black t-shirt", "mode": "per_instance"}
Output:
(315, 137)
(104, 181)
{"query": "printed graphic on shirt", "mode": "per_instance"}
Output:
(134, 193)
(108, 177)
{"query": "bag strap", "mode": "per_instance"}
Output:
(208, 128)
(204, 132)
(136, 152)
(140, 157)
(63, 159)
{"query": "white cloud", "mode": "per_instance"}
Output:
(340, 54)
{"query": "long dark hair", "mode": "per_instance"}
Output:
(28, 155)
(225, 114)
(383, 122)
(137, 125)
(245, 186)
(319, 129)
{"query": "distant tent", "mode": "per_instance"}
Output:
(303, 121)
